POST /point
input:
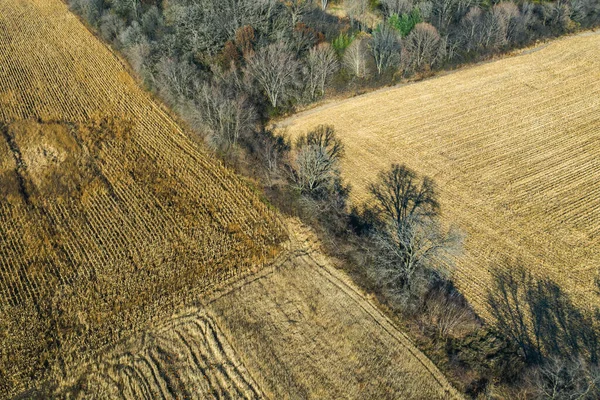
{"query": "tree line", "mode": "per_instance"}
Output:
(227, 66)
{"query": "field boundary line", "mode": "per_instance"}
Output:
(332, 275)
(281, 123)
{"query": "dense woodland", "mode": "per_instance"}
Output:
(227, 64)
(227, 67)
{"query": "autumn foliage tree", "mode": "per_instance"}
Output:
(244, 39)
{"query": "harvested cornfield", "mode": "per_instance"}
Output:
(109, 213)
(514, 148)
(297, 329)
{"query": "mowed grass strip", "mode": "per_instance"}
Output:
(514, 146)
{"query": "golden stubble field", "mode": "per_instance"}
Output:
(115, 228)
(298, 329)
(514, 146)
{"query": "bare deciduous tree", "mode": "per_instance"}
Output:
(509, 17)
(400, 197)
(422, 46)
(501, 25)
(316, 160)
(90, 9)
(355, 58)
(205, 25)
(132, 35)
(396, 7)
(559, 378)
(296, 10)
(472, 30)
(584, 11)
(313, 169)
(175, 80)
(321, 64)
(138, 56)
(448, 314)
(411, 238)
(111, 26)
(272, 149)
(127, 8)
(463, 6)
(224, 118)
(357, 11)
(385, 46)
(404, 252)
(303, 38)
(442, 12)
(275, 69)
(323, 136)
(557, 14)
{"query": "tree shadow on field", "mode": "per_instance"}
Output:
(541, 318)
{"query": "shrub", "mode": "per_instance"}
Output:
(406, 22)
(342, 42)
